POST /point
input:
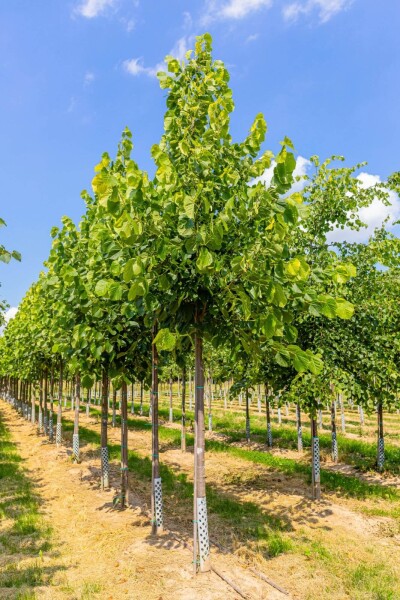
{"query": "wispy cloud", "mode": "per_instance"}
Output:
(135, 66)
(89, 78)
(252, 37)
(325, 9)
(233, 9)
(93, 8)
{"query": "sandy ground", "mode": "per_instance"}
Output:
(107, 554)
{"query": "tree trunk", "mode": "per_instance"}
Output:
(381, 442)
(124, 444)
(45, 414)
(59, 411)
(335, 453)
(141, 399)
(268, 416)
(156, 485)
(40, 422)
(171, 414)
(183, 433)
(299, 428)
(105, 469)
(75, 437)
(247, 417)
(201, 540)
(315, 467)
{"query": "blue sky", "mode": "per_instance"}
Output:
(75, 73)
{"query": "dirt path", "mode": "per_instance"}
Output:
(331, 530)
(106, 554)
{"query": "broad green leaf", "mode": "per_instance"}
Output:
(204, 260)
(165, 340)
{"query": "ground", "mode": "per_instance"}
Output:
(346, 546)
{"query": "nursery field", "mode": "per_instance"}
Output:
(262, 518)
(200, 393)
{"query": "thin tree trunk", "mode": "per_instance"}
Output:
(141, 399)
(156, 496)
(183, 433)
(124, 443)
(335, 453)
(200, 516)
(40, 422)
(46, 392)
(315, 467)
(381, 441)
(105, 469)
(268, 416)
(209, 394)
(171, 414)
(247, 417)
(51, 423)
(59, 411)
(299, 428)
(75, 437)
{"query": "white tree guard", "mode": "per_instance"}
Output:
(335, 452)
(58, 434)
(299, 439)
(269, 435)
(105, 468)
(158, 502)
(202, 530)
(381, 452)
(316, 459)
(75, 446)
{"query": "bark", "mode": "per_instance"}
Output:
(334, 434)
(124, 444)
(200, 528)
(75, 439)
(247, 417)
(156, 496)
(381, 442)
(316, 484)
(183, 433)
(268, 416)
(104, 425)
(299, 428)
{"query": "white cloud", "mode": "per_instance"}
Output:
(93, 8)
(233, 9)
(326, 9)
(10, 313)
(252, 38)
(302, 166)
(89, 78)
(135, 66)
(372, 215)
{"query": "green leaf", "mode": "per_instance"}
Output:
(165, 340)
(101, 288)
(188, 206)
(138, 289)
(344, 309)
(204, 260)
